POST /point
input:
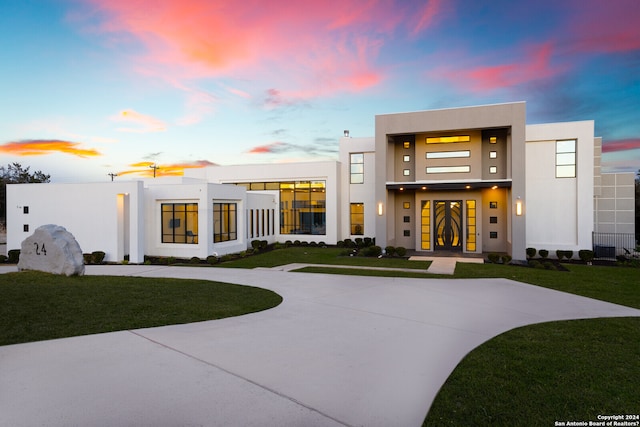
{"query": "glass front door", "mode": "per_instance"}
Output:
(447, 225)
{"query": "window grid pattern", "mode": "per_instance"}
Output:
(179, 223)
(357, 219)
(566, 159)
(471, 226)
(357, 168)
(425, 235)
(225, 224)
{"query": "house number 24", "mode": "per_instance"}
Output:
(40, 250)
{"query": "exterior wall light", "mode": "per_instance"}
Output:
(346, 133)
(380, 206)
(519, 207)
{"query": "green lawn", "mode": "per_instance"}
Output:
(38, 306)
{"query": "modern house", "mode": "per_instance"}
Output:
(469, 180)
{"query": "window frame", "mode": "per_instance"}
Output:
(228, 228)
(356, 168)
(168, 224)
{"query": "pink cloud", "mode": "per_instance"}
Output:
(604, 26)
(621, 145)
(273, 147)
(534, 66)
(306, 48)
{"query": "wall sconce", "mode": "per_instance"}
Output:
(519, 207)
(346, 133)
(380, 208)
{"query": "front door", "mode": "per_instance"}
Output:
(448, 225)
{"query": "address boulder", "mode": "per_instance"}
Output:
(51, 248)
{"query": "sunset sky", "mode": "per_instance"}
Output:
(92, 87)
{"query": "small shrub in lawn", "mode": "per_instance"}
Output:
(212, 259)
(346, 252)
(3, 259)
(544, 253)
(372, 251)
(549, 265)
(531, 252)
(171, 260)
(506, 259)
(390, 250)
(401, 251)
(534, 263)
(586, 255)
(97, 257)
(14, 256)
(539, 266)
(493, 257)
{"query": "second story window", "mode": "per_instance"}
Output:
(357, 168)
(566, 159)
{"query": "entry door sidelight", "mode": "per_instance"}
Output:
(448, 225)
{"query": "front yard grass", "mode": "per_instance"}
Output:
(39, 306)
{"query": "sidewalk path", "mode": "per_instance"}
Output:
(339, 351)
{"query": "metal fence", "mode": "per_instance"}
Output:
(610, 245)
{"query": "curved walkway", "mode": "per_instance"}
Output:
(339, 351)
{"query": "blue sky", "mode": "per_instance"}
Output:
(111, 86)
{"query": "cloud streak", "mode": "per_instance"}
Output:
(40, 147)
(279, 147)
(145, 169)
(143, 122)
(621, 145)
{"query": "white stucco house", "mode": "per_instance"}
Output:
(470, 180)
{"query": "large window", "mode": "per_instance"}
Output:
(357, 168)
(303, 207)
(471, 225)
(425, 235)
(180, 223)
(357, 219)
(225, 224)
(566, 159)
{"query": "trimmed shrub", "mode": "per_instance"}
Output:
(264, 244)
(359, 242)
(97, 257)
(368, 241)
(313, 244)
(194, 260)
(304, 244)
(255, 244)
(585, 255)
(390, 250)
(559, 254)
(296, 243)
(14, 256)
(171, 260)
(340, 244)
(549, 265)
(87, 258)
(531, 252)
(212, 259)
(348, 243)
(534, 263)
(322, 244)
(3, 259)
(372, 251)
(401, 251)
(568, 254)
(543, 253)
(506, 259)
(287, 243)
(493, 257)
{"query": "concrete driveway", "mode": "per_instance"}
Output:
(339, 351)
